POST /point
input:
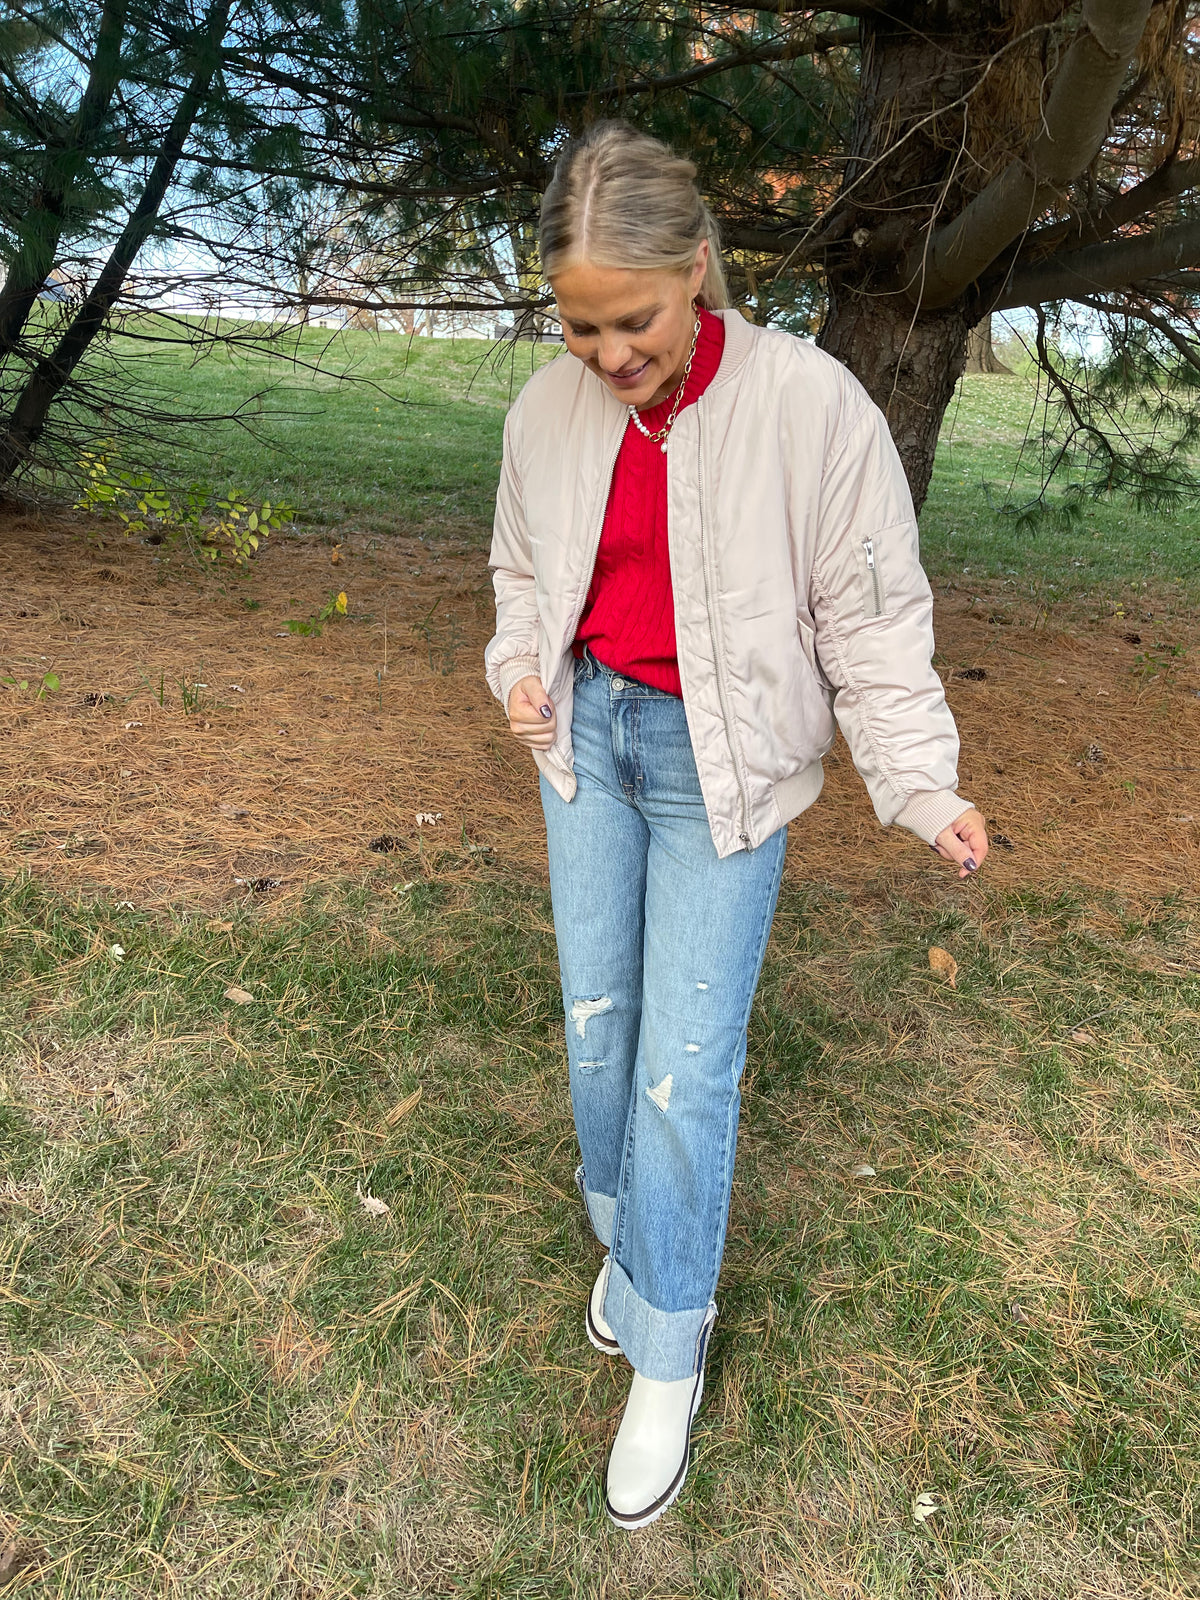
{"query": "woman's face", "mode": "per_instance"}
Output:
(632, 327)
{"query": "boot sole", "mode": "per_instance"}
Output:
(608, 1347)
(632, 1520)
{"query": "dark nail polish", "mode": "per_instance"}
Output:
(545, 711)
(970, 865)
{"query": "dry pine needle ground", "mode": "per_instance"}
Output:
(222, 750)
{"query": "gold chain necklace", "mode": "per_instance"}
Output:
(661, 433)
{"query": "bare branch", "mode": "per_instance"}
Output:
(1189, 349)
(1167, 182)
(786, 48)
(1101, 268)
(1074, 125)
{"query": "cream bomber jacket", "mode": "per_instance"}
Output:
(799, 595)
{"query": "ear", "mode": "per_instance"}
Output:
(699, 266)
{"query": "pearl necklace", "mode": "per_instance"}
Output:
(661, 433)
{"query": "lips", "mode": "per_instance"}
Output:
(628, 380)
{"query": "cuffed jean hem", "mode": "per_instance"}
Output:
(664, 1345)
(600, 1208)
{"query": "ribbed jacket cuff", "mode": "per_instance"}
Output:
(512, 671)
(928, 811)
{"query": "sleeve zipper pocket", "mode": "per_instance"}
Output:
(873, 581)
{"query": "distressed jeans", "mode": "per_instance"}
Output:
(660, 944)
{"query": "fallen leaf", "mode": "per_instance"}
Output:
(924, 1507)
(863, 1172)
(403, 1107)
(1016, 1313)
(944, 964)
(370, 1203)
(215, 926)
(240, 997)
(15, 1558)
(1082, 1036)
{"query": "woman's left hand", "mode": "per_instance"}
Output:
(964, 841)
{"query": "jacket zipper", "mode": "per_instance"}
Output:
(718, 655)
(594, 542)
(593, 546)
(869, 546)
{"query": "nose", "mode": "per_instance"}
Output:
(614, 351)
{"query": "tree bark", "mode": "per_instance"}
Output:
(1074, 125)
(981, 354)
(908, 360)
(909, 366)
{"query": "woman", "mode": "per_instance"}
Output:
(705, 552)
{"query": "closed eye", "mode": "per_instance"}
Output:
(585, 331)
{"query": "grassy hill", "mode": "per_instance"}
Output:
(386, 432)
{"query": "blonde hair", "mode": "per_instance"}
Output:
(619, 198)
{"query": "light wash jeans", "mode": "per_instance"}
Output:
(660, 944)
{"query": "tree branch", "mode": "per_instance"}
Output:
(52, 372)
(1074, 126)
(1100, 268)
(1189, 349)
(1167, 182)
(783, 49)
(46, 209)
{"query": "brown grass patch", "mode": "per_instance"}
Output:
(293, 1353)
(319, 749)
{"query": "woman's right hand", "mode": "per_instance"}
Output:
(531, 716)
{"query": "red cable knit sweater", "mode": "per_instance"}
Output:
(628, 619)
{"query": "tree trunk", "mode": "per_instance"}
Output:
(981, 356)
(901, 176)
(908, 367)
(23, 427)
(65, 159)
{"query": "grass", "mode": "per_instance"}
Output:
(965, 534)
(405, 432)
(226, 1375)
(389, 432)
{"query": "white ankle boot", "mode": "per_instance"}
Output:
(649, 1458)
(598, 1330)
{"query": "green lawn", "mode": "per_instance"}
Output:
(225, 1376)
(398, 432)
(964, 1251)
